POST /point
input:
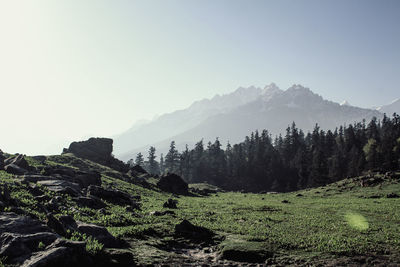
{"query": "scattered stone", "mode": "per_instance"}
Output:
(14, 169)
(111, 195)
(68, 222)
(19, 161)
(35, 190)
(62, 187)
(190, 231)
(162, 213)
(392, 195)
(85, 179)
(5, 194)
(40, 159)
(242, 253)
(173, 183)
(171, 204)
(100, 233)
(54, 224)
(61, 170)
(34, 178)
(90, 202)
(137, 169)
(20, 236)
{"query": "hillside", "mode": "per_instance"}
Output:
(231, 117)
(50, 212)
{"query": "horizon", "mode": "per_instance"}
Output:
(68, 73)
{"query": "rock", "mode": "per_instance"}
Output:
(299, 195)
(11, 222)
(5, 194)
(137, 170)
(40, 159)
(61, 170)
(120, 257)
(392, 195)
(54, 224)
(19, 160)
(20, 236)
(34, 178)
(111, 195)
(62, 187)
(97, 150)
(162, 213)
(100, 233)
(171, 204)
(84, 179)
(245, 254)
(173, 183)
(90, 202)
(59, 256)
(285, 201)
(35, 190)
(190, 231)
(15, 169)
(2, 158)
(68, 222)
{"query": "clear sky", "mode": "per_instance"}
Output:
(71, 69)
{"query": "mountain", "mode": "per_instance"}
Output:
(233, 116)
(171, 124)
(393, 107)
(345, 103)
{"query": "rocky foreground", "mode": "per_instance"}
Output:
(46, 234)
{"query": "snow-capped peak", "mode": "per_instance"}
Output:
(345, 103)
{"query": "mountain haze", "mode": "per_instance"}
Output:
(232, 116)
(393, 107)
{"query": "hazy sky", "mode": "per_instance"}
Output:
(70, 69)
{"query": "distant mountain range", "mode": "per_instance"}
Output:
(232, 116)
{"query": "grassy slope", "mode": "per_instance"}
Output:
(310, 227)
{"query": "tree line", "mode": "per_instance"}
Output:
(287, 162)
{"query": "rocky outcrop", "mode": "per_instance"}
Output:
(173, 183)
(17, 165)
(98, 150)
(20, 236)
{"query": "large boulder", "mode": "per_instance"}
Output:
(173, 183)
(97, 150)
